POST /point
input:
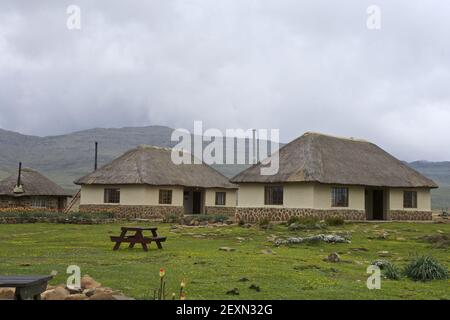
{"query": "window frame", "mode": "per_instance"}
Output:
(336, 192)
(218, 203)
(165, 196)
(271, 198)
(413, 204)
(38, 202)
(109, 197)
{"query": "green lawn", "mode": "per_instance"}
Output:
(296, 272)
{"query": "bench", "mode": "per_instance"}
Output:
(26, 287)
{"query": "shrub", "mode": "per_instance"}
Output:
(334, 221)
(264, 223)
(426, 268)
(172, 218)
(301, 223)
(390, 271)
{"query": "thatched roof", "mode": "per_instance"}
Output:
(153, 166)
(33, 183)
(315, 157)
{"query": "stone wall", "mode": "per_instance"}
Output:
(409, 215)
(229, 211)
(26, 202)
(129, 211)
(283, 214)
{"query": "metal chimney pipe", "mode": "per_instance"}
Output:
(254, 146)
(19, 175)
(96, 155)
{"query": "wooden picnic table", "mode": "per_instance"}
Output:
(137, 237)
(27, 287)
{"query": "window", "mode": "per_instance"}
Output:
(165, 196)
(273, 195)
(220, 198)
(339, 197)
(112, 195)
(409, 199)
(39, 203)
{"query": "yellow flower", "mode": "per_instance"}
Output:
(183, 284)
(162, 272)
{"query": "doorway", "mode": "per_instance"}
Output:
(377, 205)
(197, 202)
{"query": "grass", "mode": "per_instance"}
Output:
(295, 272)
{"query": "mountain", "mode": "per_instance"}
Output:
(440, 173)
(65, 158)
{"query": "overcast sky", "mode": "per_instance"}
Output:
(288, 64)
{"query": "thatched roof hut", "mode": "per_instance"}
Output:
(33, 184)
(151, 165)
(315, 157)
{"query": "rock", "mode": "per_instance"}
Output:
(89, 292)
(333, 257)
(74, 290)
(384, 253)
(88, 282)
(102, 296)
(7, 293)
(121, 297)
(78, 296)
(267, 251)
(227, 249)
(59, 293)
(255, 287)
(240, 239)
(233, 292)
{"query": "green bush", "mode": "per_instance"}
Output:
(390, 271)
(264, 223)
(302, 223)
(334, 221)
(426, 268)
(172, 218)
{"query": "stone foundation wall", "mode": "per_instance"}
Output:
(26, 202)
(229, 211)
(127, 211)
(409, 215)
(283, 214)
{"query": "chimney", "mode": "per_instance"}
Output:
(96, 156)
(19, 175)
(18, 188)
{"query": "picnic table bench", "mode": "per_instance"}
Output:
(137, 237)
(27, 287)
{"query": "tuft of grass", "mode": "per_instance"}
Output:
(391, 272)
(264, 223)
(334, 221)
(304, 223)
(426, 268)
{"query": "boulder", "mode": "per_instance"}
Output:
(77, 296)
(227, 249)
(88, 282)
(7, 293)
(102, 296)
(89, 292)
(333, 257)
(59, 293)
